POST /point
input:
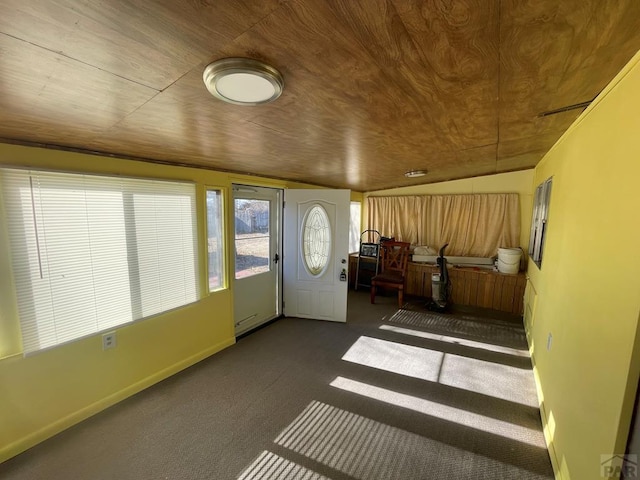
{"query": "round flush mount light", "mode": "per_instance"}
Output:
(415, 173)
(243, 81)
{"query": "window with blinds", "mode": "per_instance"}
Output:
(91, 252)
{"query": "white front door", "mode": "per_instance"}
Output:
(257, 292)
(316, 246)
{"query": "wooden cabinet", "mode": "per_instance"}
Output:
(471, 286)
(419, 279)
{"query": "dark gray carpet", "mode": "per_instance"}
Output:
(390, 395)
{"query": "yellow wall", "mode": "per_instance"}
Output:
(44, 393)
(356, 196)
(514, 182)
(586, 294)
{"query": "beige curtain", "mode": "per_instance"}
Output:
(474, 225)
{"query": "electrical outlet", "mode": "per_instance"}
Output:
(108, 340)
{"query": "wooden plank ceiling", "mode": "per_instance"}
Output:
(373, 88)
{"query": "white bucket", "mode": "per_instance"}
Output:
(509, 260)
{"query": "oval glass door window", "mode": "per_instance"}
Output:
(316, 240)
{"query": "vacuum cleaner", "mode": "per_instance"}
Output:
(440, 286)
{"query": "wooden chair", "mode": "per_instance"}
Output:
(394, 258)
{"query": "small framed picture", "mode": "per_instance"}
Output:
(369, 250)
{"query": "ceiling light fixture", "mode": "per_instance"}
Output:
(243, 81)
(415, 173)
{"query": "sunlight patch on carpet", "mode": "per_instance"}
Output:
(444, 412)
(366, 449)
(269, 466)
(457, 341)
(487, 378)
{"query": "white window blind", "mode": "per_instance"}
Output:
(91, 252)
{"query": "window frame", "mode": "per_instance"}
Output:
(355, 248)
(222, 222)
(539, 221)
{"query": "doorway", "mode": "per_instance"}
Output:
(257, 245)
(316, 224)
